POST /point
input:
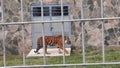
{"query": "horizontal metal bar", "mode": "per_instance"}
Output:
(56, 21)
(86, 64)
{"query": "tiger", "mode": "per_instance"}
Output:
(52, 41)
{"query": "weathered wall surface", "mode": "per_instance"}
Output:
(91, 8)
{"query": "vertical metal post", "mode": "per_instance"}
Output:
(62, 10)
(42, 13)
(23, 36)
(83, 42)
(102, 14)
(32, 29)
(3, 30)
(4, 49)
(23, 40)
(2, 10)
(103, 46)
(64, 60)
(81, 7)
(51, 25)
(43, 33)
(21, 10)
(69, 25)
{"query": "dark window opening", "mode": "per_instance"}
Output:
(37, 11)
(55, 11)
(65, 10)
(46, 11)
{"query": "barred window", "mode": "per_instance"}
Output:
(50, 10)
(37, 11)
(56, 11)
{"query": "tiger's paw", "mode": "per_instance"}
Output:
(38, 53)
(47, 53)
(60, 52)
(67, 52)
(35, 51)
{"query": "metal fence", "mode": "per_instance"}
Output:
(64, 62)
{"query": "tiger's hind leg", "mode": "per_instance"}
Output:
(37, 49)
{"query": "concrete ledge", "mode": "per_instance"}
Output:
(52, 51)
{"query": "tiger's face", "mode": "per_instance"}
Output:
(67, 40)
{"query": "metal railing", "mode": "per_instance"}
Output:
(82, 20)
(44, 59)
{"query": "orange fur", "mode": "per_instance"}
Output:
(52, 41)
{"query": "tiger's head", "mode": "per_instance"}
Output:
(67, 40)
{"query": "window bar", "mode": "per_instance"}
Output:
(43, 33)
(23, 36)
(64, 61)
(3, 30)
(103, 46)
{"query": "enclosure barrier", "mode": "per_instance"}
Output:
(62, 22)
(82, 20)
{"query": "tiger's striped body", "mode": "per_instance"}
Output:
(52, 41)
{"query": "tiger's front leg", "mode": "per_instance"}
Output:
(65, 51)
(59, 50)
(46, 50)
(61, 47)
